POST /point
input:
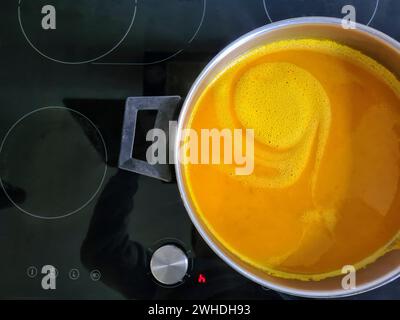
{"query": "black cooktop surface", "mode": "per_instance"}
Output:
(63, 201)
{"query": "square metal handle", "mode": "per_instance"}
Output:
(166, 108)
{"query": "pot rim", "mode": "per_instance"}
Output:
(381, 281)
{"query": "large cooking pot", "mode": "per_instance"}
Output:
(370, 41)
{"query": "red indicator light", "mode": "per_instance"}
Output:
(201, 278)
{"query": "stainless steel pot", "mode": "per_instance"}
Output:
(371, 42)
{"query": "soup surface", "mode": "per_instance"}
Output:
(324, 192)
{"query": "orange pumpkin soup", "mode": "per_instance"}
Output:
(324, 192)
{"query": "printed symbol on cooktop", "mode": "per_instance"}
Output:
(75, 32)
(74, 274)
(31, 272)
(162, 30)
(285, 9)
(58, 157)
(95, 275)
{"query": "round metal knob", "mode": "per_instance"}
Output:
(169, 264)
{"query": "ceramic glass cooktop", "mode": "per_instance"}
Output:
(66, 70)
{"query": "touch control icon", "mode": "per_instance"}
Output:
(32, 272)
(95, 275)
(74, 274)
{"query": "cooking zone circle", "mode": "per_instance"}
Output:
(365, 10)
(49, 31)
(39, 153)
(162, 30)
